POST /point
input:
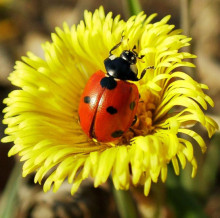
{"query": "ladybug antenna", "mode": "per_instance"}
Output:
(128, 44)
(141, 58)
(117, 45)
(133, 50)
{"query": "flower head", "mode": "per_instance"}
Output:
(42, 116)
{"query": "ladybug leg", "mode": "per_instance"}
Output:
(141, 57)
(117, 45)
(134, 121)
(132, 130)
(145, 70)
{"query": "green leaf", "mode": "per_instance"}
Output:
(9, 196)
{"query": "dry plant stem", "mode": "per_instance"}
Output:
(185, 23)
(184, 17)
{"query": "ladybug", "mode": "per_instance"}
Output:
(109, 102)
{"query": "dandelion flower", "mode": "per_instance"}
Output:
(42, 116)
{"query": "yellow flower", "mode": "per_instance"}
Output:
(42, 116)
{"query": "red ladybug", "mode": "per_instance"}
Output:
(109, 102)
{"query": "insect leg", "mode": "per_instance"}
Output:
(117, 45)
(145, 70)
(134, 121)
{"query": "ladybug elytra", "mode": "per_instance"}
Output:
(109, 102)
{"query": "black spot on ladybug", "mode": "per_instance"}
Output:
(87, 99)
(108, 82)
(132, 105)
(111, 110)
(117, 133)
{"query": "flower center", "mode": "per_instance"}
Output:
(143, 124)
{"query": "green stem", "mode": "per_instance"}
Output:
(9, 195)
(184, 203)
(133, 7)
(125, 204)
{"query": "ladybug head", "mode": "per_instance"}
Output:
(130, 56)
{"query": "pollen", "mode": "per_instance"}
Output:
(144, 120)
(145, 113)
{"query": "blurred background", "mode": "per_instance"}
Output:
(25, 25)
